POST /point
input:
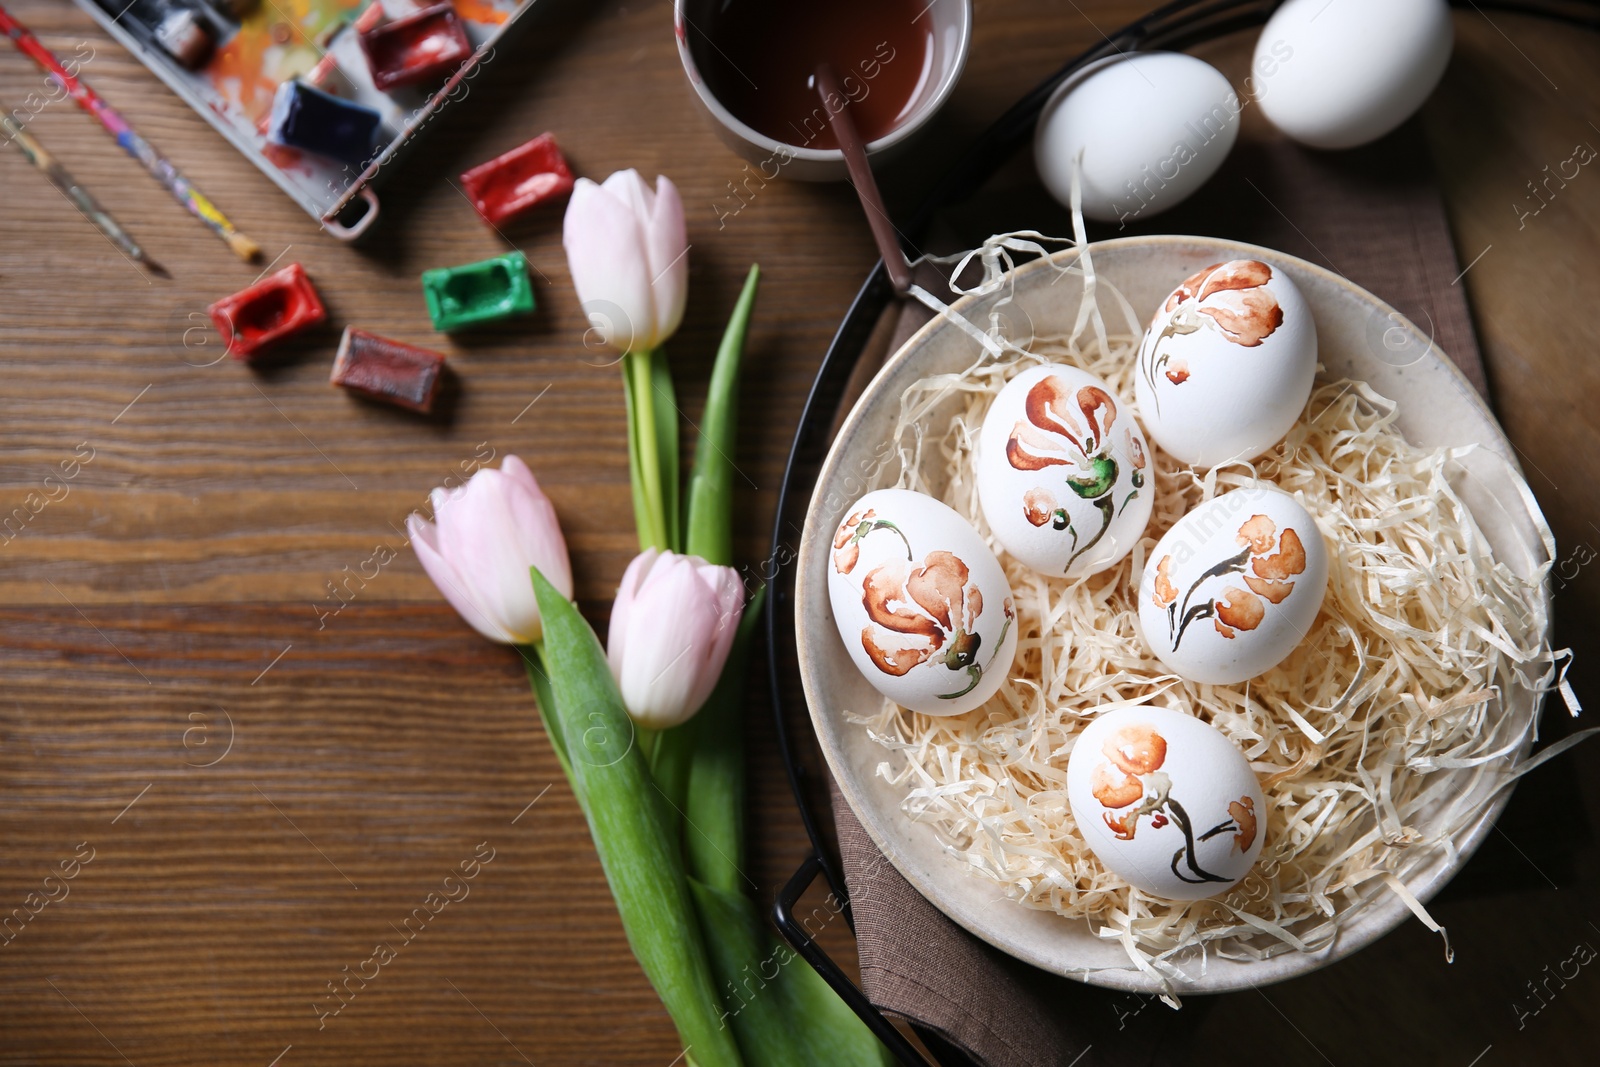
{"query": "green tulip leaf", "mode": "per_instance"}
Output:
(633, 834)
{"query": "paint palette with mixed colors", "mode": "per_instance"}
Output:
(298, 88)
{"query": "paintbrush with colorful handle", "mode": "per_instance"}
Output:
(80, 197)
(136, 146)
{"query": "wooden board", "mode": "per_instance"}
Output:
(180, 581)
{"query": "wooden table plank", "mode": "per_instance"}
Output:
(181, 582)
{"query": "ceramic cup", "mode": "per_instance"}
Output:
(949, 24)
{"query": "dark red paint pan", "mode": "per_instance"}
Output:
(519, 180)
(425, 46)
(390, 371)
(252, 320)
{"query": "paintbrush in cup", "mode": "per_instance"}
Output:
(866, 186)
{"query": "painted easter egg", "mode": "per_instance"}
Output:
(921, 602)
(1145, 131)
(1166, 802)
(1337, 75)
(1227, 364)
(1234, 586)
(1063, 472)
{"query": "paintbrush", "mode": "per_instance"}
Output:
(164, 172)
(80, 197)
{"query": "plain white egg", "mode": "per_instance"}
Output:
(1166, 801)
(1342, 73)
(921, 603)
(1152, 128)
(1062, 471)
(1234, 586)
(1227, 364)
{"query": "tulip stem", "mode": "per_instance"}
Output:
(636, 479)
(664, 413)
(669, 763)
(644, 464)
(652, 449)
(647, 739)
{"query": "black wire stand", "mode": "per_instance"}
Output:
(1173, 27)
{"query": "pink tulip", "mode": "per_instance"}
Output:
(483, 538)
(625, 248)
(671, 628)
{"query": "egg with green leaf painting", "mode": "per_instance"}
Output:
(1063, 472)
(921, 603)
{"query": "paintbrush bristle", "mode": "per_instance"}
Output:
(243, 247)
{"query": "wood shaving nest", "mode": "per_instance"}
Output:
(1377, 742)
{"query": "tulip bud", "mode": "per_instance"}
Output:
(483, 538)
(626, 246)
(673, 622)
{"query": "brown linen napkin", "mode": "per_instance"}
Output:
(1373, 215)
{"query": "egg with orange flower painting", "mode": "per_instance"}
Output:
(1167, 802)
(1234, 586)
(1063, 472)
(1227, 364)
(921, 603)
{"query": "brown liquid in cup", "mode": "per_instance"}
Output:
(759, 58)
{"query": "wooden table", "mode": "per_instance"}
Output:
(269, 779)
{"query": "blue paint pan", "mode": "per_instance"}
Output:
(309, 119)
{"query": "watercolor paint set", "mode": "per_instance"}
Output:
(324, 96)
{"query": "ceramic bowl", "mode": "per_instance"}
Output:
(949, 28)
(1360, 337)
